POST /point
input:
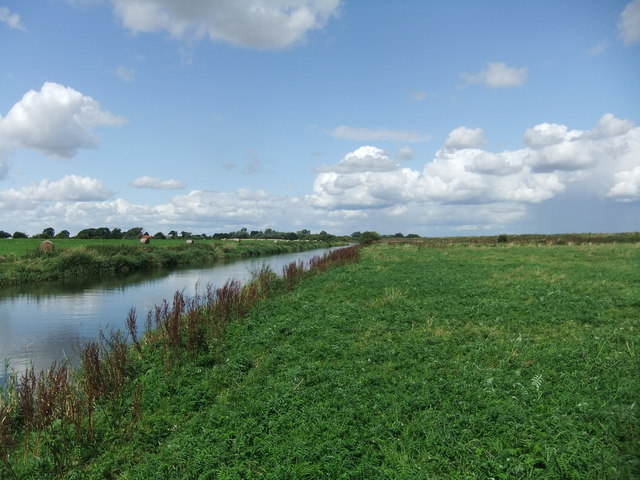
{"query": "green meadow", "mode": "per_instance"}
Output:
(415, 362)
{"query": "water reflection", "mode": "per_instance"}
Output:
(43, 323)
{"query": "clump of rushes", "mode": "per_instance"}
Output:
(6, 443)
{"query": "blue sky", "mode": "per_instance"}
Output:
(430, 117)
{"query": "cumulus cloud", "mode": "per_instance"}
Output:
(463, 137)
(463, 176)
(56, 120)
(498, 75)
(405, 154)
(627, 186)
(629, 23)
(12, 20)
(380, 134)
(554, 147)
(77, 202)
(71, 188)
(156, 184)
(256, 24)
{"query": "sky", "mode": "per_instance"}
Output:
(433, 117)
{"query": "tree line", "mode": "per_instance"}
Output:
(243, 233)
(138, 232)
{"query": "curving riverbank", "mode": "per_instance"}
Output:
(102, 259)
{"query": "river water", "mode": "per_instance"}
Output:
(43, 323)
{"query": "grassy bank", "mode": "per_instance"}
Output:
(414, 363)
(21, 261)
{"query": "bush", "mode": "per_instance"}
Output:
(367, 238)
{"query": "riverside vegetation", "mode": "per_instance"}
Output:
(466, 361)
(21, 261)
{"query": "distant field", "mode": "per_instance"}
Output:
(22, 246)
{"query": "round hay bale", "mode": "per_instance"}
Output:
(189, 241)
(47, 246)
(145, 240)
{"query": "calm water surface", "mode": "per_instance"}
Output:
(44, 323)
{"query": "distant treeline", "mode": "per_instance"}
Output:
(526, 239)
(138, 232)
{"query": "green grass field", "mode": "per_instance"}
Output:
(23, 246)
(511, 362)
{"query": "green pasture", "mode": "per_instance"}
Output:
(23, 246)
(464, 362)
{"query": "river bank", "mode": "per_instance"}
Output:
(73, 260)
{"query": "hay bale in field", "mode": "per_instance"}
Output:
(189, 241)
(146, 240)
(47, 246)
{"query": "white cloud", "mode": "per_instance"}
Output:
(260, 24)
(366, 159)
(610, 126)
(463, 137)
(56, 120)
(380, 134)
(629, 23)
(156, 184)
(71, 188)
(12, 20)
(498, 75)
(405, 154)
(546, 134)
(125, 74)
(603, 159)
(556, 148)
(75, 203)
(627, 186)
(496, 164)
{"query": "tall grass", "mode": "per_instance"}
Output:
(60, 410)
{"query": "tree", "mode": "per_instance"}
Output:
(4, 234)
(116, 233)
(48, 232)
(20, 235)
(103, 232)
(63, 234)
(368, 238)
(356, 234)
(160, 236)
(173, 234)
(135, 232)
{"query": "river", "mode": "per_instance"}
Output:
(47, 322)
